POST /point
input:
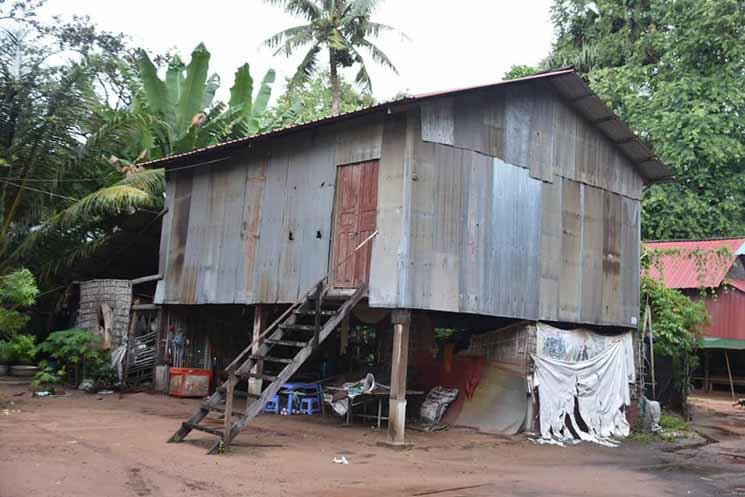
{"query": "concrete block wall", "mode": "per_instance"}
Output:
(117, 294)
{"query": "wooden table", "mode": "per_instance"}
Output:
(379, 394)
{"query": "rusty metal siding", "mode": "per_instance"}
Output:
(297, 206)
(531, 127)
(727, 312)
(473, 235)
(387, 262)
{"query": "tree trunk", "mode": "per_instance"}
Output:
(334, 82)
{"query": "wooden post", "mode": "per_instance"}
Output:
(228, 423)
(707, 359)
(255, 384)
(729, 373)
(399, 362)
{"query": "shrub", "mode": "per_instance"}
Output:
(47, 378)
(22, 349)
(77, 349)
(5, 352)
(17, 290)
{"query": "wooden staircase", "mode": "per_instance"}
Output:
(285, 345)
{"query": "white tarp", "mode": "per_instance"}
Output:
(598, 386)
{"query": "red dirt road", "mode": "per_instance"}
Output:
(79, 446)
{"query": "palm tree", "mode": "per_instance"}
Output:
(341, 27)
(169, 116)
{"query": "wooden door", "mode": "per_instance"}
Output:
(356, 210)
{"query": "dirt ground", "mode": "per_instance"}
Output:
(105, 446)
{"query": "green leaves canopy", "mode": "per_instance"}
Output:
(676, 72)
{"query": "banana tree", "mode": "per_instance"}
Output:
(169, 116)
(183, 103)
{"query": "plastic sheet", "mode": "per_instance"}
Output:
(596, 388)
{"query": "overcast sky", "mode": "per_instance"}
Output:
(453, 43)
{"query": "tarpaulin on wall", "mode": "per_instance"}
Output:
(597, 385)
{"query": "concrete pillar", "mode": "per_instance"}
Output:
(401, 320)
(255, 384)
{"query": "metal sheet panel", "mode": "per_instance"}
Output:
(474, 228)
(438, 121)
(529, 126)
(389, 248)
(359, 140)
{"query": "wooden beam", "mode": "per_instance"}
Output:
(729, 374)
(146, 279)
(260, 312)
(145, 307)
(401, 320)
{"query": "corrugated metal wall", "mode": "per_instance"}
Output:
(503, 203)
(256, 228)
(727, 313)
(463, 231)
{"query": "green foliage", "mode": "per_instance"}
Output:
(519, 71)
(6, 355)
(675, 71)
(71, 347)
(22, 349)
(343, 28)
(312, 100)
(47, 378)
(17, 290)
(185, 116)
(673, 422)
(677, 320)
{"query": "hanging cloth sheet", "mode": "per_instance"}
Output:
(599, 389)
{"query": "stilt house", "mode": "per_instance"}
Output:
(470, 210)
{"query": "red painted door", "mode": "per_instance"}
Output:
(356, 211)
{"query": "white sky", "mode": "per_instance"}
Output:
(453, 43)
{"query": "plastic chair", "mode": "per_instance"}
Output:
(272, 405)
(310, 405)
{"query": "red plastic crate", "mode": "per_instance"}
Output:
(189, 382)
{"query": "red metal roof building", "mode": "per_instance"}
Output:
(690, 265)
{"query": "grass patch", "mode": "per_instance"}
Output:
(673, 427)
(673, 422)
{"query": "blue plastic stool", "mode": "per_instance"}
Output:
(310, 405)
(272, 405)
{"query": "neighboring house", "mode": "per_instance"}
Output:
(715, 271)
(482, 208)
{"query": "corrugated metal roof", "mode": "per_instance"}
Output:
(683, 267)
(739, 284)
(565, 82)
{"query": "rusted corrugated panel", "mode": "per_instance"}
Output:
(591, 289)
(178, 237)
(298, 200)
(630, 260)
(438, 120)
(250, 229)
(389, 247)
(680, 263)
(727, 313)
(570, 279)
(474, 234)
(529, 126)
(551, 254)
(359, 140)
(611, 310)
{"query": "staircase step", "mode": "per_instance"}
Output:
(289, 343)
(298, 327)
(221, 409)
(206, 429)
(269, 358)
(312, 312)
(261, 376)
